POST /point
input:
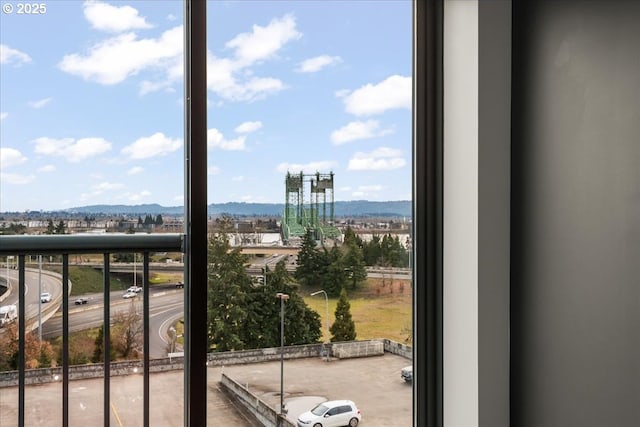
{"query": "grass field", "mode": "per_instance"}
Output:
(378, 310)
(87, 280)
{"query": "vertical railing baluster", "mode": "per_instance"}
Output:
(146, 326)
(107, 342)
(22, 324)
(65, 340)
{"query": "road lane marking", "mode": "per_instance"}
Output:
(113, 408)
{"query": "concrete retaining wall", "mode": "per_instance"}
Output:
(346, 350)
(81, 372)
(260, 410)
(263, 355)
(339, 350)
(397, 348)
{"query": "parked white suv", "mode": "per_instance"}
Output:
(334, 413)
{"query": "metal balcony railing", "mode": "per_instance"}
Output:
(65, 245)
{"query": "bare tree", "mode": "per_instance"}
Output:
(128, 331)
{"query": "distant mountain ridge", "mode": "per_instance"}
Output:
(401, 208)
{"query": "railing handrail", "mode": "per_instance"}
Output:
(85, 244)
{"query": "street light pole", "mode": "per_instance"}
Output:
(326, 300)
(282, 297)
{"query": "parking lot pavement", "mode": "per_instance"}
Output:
(373, 383)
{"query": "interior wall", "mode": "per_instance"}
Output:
(575, 291)
(460, 220)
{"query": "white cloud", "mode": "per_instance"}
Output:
(106, 17)
(135, 170)
(232, 80)
(151, 146)
(226, 79)
(213, 170)
(358, 130)
(238, 178)
(40, 103)
(14, 178)
(264, 42)
(392, 93)
(316, 64)
(382, 158)
(107, 186)
(101, 188)
(248, 127)
(369, 188)
(12, 56)
(215, 139)
(113, 60)
(3, 115)
(311, 167)
(134, 197)
(10, 157)
(47, 169)
(72, 150)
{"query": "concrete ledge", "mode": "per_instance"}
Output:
(397, 348)
(346, 350)
(258, 408)
(263, 354)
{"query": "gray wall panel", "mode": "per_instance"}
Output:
(494, 168)
(575, 291)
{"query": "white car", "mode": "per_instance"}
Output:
(334, 413)
(129, 294)
(45, 297)
(407, 373)
(135, 289)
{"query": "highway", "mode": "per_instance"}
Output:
(51, 282)
(166, 306)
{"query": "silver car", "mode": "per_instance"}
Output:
(407, 373)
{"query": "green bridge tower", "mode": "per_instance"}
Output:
(315, 213)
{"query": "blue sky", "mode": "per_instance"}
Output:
(91, 108)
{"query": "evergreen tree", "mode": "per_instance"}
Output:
(393, 254)
(262, 327)
(158, 220)
(354, 265)
(243, 315)
(60, 228)
(309, 270)
(343, 328)
(333, 276)
(228, 287)
(51, 229)
(350, 237)
(98, 349)
(371, 251)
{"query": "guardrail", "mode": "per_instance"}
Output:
(65, 245)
